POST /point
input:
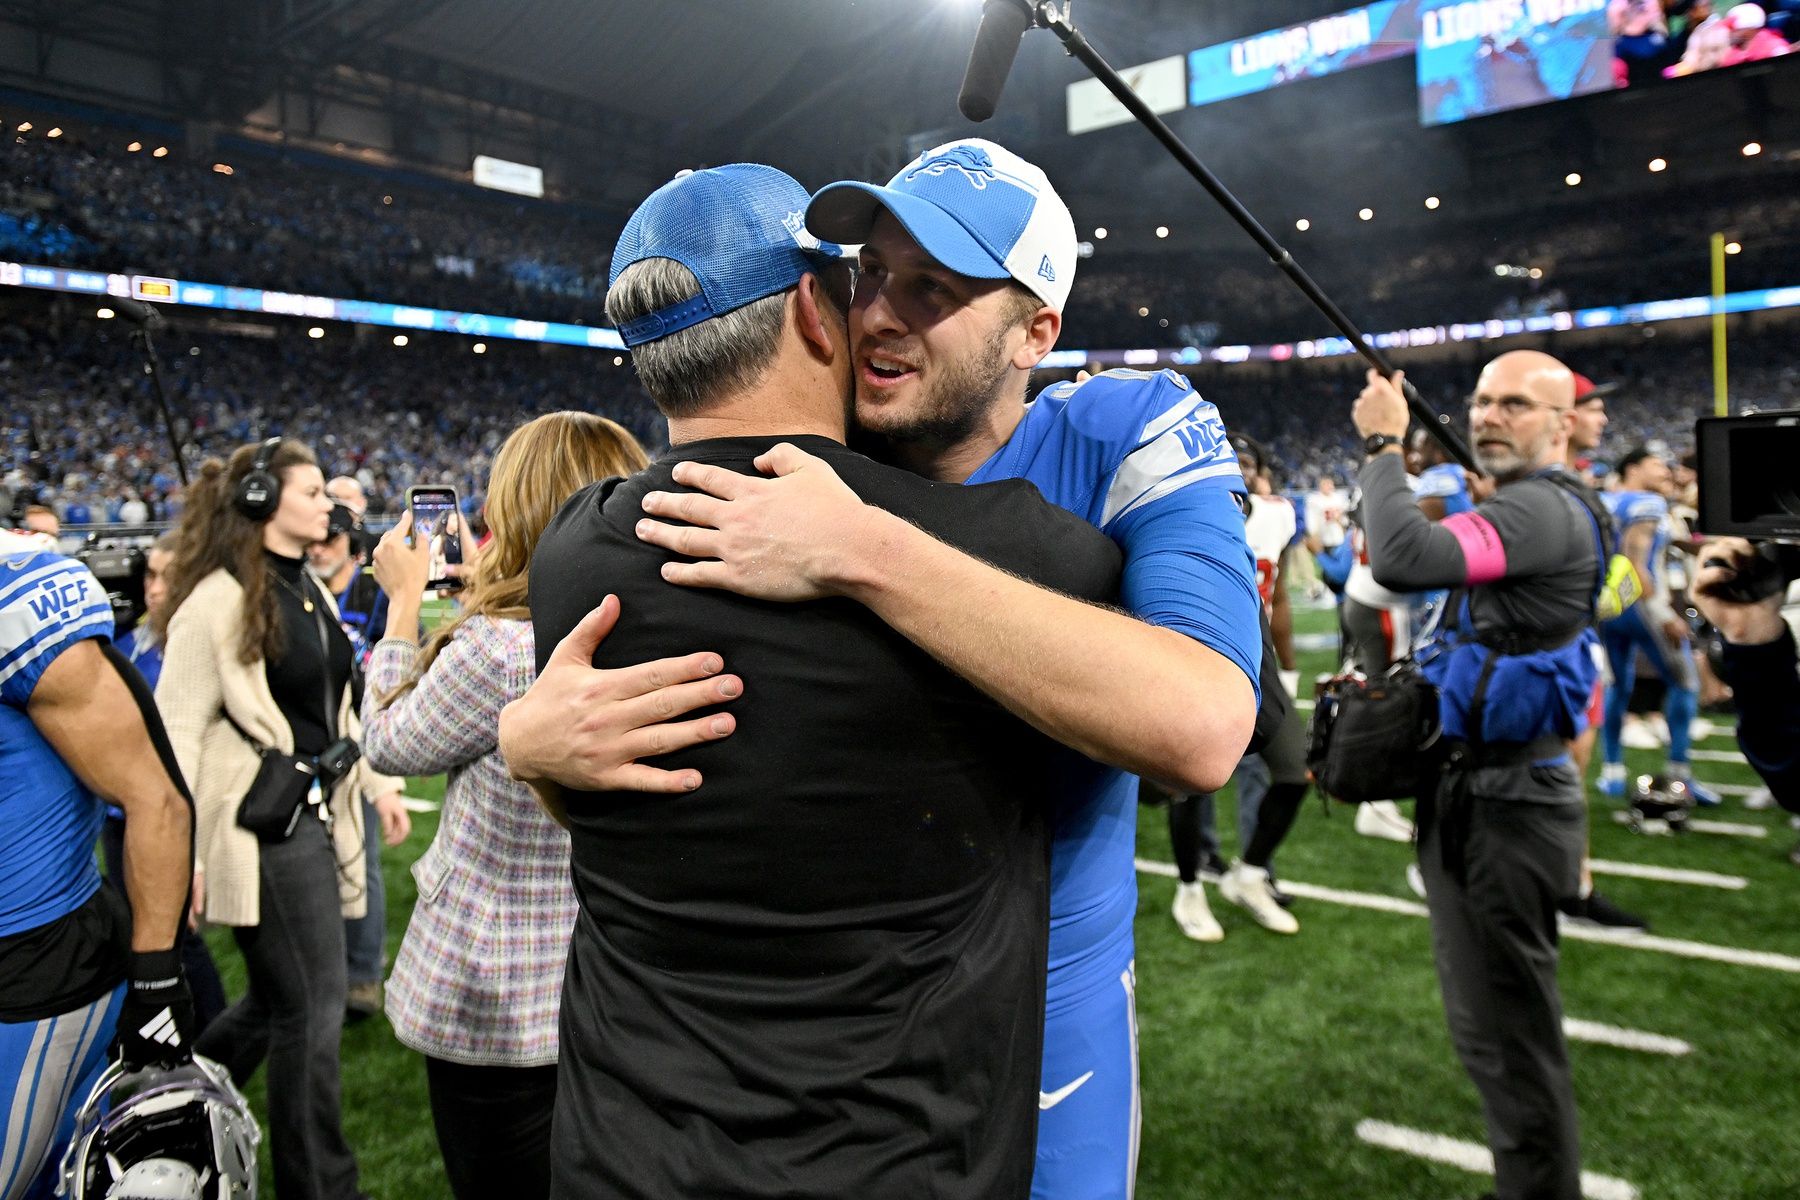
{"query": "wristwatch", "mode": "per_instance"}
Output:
(1375, 443)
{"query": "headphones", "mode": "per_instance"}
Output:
(259, 491)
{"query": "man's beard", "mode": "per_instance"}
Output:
(954, 403)
(1511, 462)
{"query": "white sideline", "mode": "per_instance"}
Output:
(1476, 1159)
(1631, 939)
(1729, 883)
(1578, 1030)
(1725, 756)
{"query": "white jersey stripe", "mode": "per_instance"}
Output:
(1173, 483)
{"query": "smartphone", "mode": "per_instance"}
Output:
(436, 518)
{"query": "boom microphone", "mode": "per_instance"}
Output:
(1003, 24)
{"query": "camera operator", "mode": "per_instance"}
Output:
(1758, 662)
(1500, 841)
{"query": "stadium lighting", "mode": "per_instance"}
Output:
(1502, 270)
(1536, 272)
(1100, 234)
(1734, 247)
(1752, 149)
(223, 169)
(1143, 312)
(1573, 179)
(56, 131)
(1432, 202)
(618, 360)
(479, 347)
(387, 199)
(315, 333)
(400, 339)
(1658, 165)
(1365, 214)
(1303, 224)
(24, 126)
(105, 314)
(134, 147)
(1162, 231)
(160, 152)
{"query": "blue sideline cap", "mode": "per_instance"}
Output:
(974, 206)
(740, 229)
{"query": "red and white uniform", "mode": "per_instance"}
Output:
(1269, 527)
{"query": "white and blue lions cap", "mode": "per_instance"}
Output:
(740, 229)
(974, 206)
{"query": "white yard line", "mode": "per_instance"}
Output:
(1724, 756)
(1628, 939)
(1625, 1039)
(1472, 1157)
(1729, 883)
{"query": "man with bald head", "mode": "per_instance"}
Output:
(1501, 838)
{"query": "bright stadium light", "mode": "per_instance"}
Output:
(24, 126)
(1658, 165)
(55, 131)
(479, 347)
(1432, 202)
(134, 147)
(315, 333)
(160, 152)
(1536, 272)
(1143, 312)
(1303, 224)
(1502, 270)
(387, 199)
(1752, 149)
(1734, 247)
(1162, 231)
(1100, 234)
(400, 339)
(1573, 179)
(1365, 214)
(223, 169)
(105, 314)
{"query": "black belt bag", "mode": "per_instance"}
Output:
(1376, 739)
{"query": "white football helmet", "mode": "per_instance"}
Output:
(178, 1133)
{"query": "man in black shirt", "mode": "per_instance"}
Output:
(823, 974)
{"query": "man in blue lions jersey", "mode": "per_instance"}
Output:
(80, 966)
(1641, 511)
(967, 258)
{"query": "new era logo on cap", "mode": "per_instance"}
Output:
(974, 206)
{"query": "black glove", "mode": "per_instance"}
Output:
(156, 1022)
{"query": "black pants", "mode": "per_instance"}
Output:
(1191, 821)
(1520, 831)
(493, 1128)
(196, 960)
(293, 1015)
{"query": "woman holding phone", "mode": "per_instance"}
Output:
(255, 661)
(477, 983)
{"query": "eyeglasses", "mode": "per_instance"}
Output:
(1511, 407)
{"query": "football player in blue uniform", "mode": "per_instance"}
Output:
(967, 259)
(1641, 511)
(80, 966)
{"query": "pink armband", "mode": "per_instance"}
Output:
(1481, 546)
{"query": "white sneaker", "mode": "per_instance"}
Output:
(1699, 729)
(1659, 727)
(1415, 879)
(1194, 915)
(1248, 887)
(1638, 735)
(1383, 819)
(1759, 800)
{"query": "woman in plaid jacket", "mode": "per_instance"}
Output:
(478, 981)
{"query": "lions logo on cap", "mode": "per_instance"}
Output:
(973, 162)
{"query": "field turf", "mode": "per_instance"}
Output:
(1261, 1054)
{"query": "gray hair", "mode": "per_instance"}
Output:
(688, 371)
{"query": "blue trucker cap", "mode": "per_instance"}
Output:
(974, 206)
(741, 229)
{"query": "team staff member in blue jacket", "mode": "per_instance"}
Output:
(1500, 843)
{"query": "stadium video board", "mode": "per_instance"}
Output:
(1339, 42)
(1486, 56)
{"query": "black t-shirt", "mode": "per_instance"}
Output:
(821, 974)
(309, 674)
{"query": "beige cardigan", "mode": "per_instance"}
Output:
(202, 679)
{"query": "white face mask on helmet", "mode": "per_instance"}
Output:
(181, 1133)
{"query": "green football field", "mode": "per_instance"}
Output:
(1263, 1055)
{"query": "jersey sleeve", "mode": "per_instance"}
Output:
(47, 604)
(1160, 437)
(1639, 507)
(1437, 484)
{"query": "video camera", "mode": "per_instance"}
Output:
(118, 560)
(1747, 489)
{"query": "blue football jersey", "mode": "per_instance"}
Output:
(48, 603)
(1144, 459)
(1445, 482)
(1632, 508)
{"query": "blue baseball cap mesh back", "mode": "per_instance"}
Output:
(739, 228)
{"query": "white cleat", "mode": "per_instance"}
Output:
(1762, 798)
(1699, 729)
(1639, 735)
(1383, 819)
(1249, 888)
(1194, 915)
